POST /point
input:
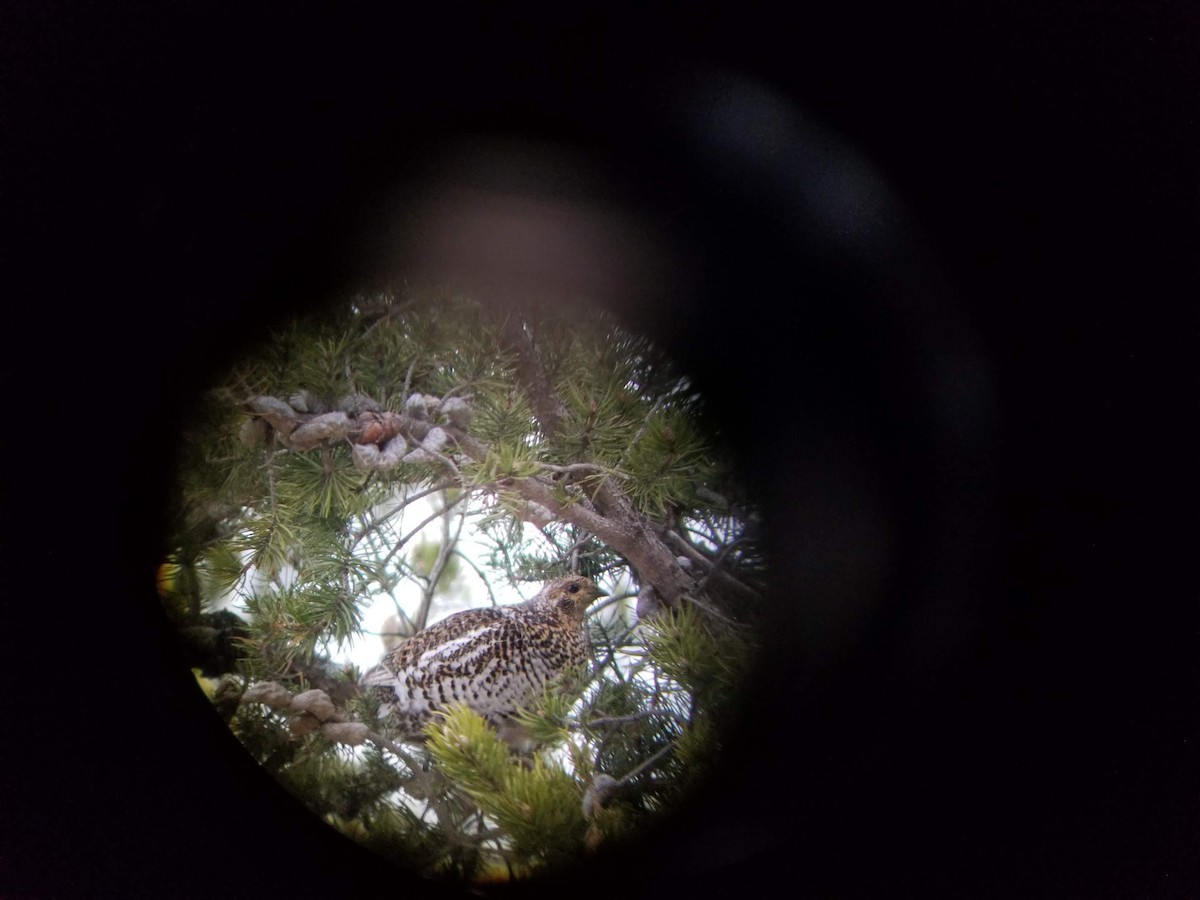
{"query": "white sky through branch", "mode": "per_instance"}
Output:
(365, 648)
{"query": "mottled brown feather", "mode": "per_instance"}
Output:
(493, 659)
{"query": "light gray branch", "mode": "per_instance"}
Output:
(439, 565)
(404, 540)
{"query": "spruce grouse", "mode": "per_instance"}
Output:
(494, 660)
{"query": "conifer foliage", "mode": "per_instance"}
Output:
(347, 458)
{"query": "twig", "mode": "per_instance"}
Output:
(717, 560)
(408, 378)
(645, 764)
(368, 527)
(634, 717)
(383, 743)
(696, 556)
(575, 468)
(404, 540)
(439, 565)
(270, 467)
(470, 562)
(446, 461)
(641, 431)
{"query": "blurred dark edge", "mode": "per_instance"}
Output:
(944, 295)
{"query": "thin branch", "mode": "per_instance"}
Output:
(634, 717)
(408, 378)
(610, 600)
(445, 461)
(375, 524)
(646, 764)
(577, 468)
(696, 556)
(439, 565)
(689, 550)
(615, 644)
(470, 562)
(483, 836)
(384, 744)
(269, 464)
(718, 560)
(572, 552)
(399, 634)
(641, 431)
(404, 540)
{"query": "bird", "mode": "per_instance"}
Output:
(495, 660)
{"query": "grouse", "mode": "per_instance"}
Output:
(494, 659)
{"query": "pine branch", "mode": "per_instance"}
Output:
(439, 565)
(618, 524)
(316, 705)
(710, 567)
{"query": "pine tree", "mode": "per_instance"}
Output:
(561, 443)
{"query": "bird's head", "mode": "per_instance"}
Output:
(571, 596)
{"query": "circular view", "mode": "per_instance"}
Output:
(475, 584)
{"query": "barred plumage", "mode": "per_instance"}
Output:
(495, 660)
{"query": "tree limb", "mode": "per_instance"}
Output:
(614, 520)
(603, 509)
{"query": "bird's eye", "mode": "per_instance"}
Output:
(573, 587)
